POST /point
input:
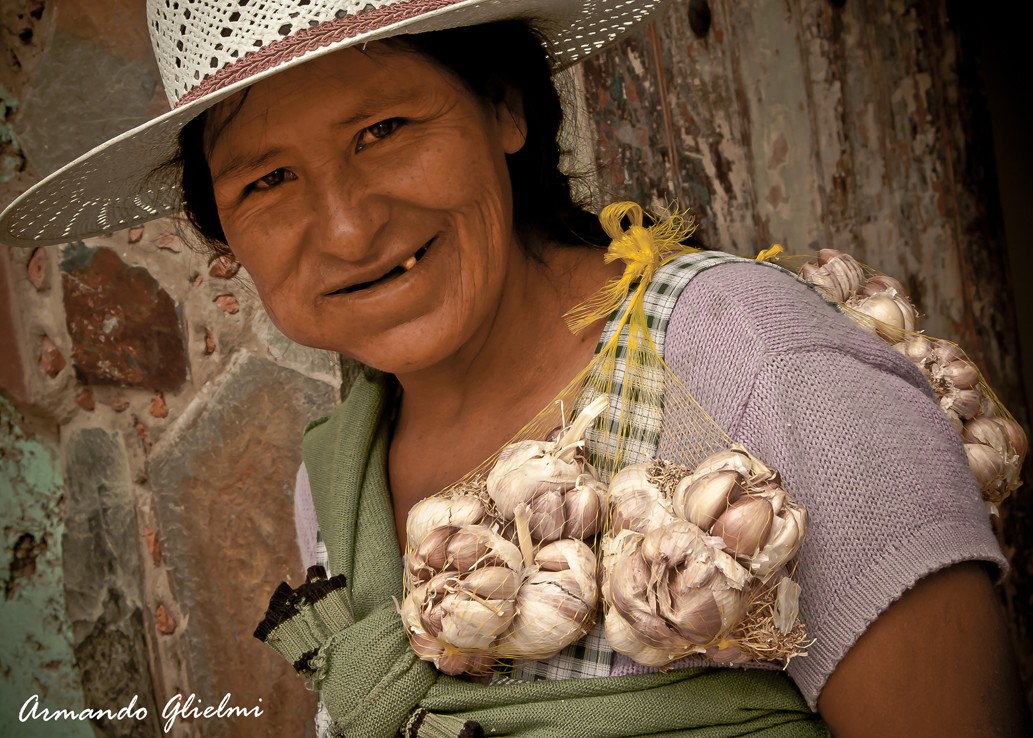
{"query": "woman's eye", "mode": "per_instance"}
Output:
(273, 179)
(377, 131)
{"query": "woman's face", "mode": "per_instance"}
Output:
(367, 194)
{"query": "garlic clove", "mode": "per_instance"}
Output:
(431, 555)
(695, 615)
(945, 352)
(469, 622)
(673, 544)
(986, 464)
(960, 373)
(702, 500)
(623, 639)
(744, 526)
(917, 348)
(787, 534)
(472, 541)
(733, 459)
(965, 402)
(1017, 441)
(548, 619)
(491, 583)
(546, 518)
(427, 648)
(583, 508)
(988, 432)
(575, 556)
(635, 502)
(442, 510)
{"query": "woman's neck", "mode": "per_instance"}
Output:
(458, 414)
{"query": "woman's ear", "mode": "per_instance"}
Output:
(509, 115)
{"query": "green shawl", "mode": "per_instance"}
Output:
(355, 648)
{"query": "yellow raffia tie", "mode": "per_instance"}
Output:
(769, 254)
(644, 249)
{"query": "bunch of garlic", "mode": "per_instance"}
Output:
(560, 490)
(687, 554)
(994, 443)
(878, 304)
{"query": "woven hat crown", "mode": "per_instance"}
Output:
(196, 42)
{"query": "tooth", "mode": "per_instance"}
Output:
(409, 263)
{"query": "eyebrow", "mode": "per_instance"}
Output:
(245, 161)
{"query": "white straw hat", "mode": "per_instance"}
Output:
(209, 49)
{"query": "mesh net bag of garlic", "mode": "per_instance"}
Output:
(995, 444)
(576, 517)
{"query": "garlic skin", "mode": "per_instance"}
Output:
(836, 274)
(636, 503)
(701, 500)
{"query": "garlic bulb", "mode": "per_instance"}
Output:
(556, 604)
(552, 480)
(996, 448)
(885, 314)
(836, 274)
(464, 581)
(671, 591)
(434, 512)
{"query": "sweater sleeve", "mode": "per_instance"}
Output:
(305, 525)
(856, 433)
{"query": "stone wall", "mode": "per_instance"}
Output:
(149, 426)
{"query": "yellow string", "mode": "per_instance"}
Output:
(644, 250)
(769, 254)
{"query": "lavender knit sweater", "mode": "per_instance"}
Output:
(854, 430)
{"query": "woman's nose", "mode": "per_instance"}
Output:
(348, 215)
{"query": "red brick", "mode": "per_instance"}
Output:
(50, 359)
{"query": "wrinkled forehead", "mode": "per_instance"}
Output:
(359, 79)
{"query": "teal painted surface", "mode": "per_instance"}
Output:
(35, 652)
(11, 159)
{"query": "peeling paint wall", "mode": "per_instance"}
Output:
(36, 652)
(850, 125)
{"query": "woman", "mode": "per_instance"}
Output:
(398, 201)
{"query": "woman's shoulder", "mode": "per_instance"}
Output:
(735, 320)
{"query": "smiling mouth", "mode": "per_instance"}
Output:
(398, 271)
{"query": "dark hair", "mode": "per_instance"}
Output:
(493, 61)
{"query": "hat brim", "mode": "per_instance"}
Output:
(124, 181)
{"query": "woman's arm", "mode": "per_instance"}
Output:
(937, 662)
